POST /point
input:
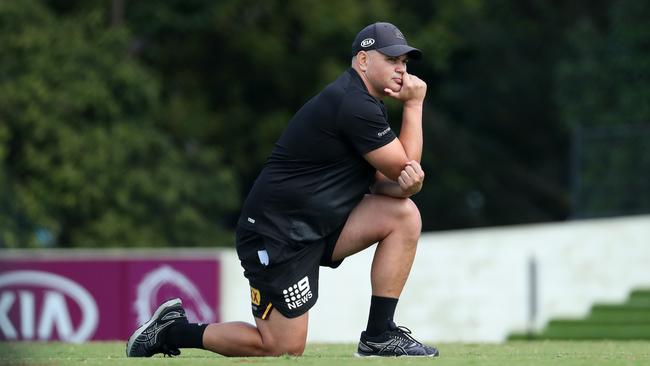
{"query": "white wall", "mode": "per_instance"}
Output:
(473, 285)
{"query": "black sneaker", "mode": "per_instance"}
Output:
(396, 341)
(148, 340)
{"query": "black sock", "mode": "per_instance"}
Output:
(381, 314)
(185, 335)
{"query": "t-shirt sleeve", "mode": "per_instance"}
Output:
(364, 124)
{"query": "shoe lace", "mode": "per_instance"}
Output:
(406, 333)
(169, 351)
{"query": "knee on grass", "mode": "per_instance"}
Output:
(291, 348)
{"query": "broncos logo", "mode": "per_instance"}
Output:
(165, 282)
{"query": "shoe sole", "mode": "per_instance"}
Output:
(359, 355)
(166, 305)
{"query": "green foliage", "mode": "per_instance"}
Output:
(86, 164)
(258, 62)
(247, 65)
(604, 79)
(603, 94)
(494, 149)
(147, 126)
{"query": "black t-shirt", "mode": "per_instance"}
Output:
(316, 173)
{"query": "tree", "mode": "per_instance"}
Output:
(602, 91)
(148, 121)
(85, 162)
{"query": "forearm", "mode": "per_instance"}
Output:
(388, 188)
(411, 132)
(410, 183)
(393, 158)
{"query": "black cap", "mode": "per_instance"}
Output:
(385, 38)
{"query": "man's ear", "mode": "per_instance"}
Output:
(362, 60)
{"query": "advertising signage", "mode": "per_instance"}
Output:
(76, 299)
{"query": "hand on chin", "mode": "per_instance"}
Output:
(395, 87)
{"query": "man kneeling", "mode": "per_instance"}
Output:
(337, 181)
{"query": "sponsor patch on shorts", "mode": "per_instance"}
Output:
(298, 294)
(256, 297)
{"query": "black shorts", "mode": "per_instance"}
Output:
(283, 275)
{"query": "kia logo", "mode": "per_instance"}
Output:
(22, 291)
(367, 42)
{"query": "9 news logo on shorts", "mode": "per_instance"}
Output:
(77, 300)
(298, 294)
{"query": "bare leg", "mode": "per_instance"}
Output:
(275, 336)
(393, 222)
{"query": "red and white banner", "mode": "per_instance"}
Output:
(76, 300)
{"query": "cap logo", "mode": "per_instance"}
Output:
(367, 42)
(399, 34)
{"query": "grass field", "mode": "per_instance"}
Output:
(556, 353)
